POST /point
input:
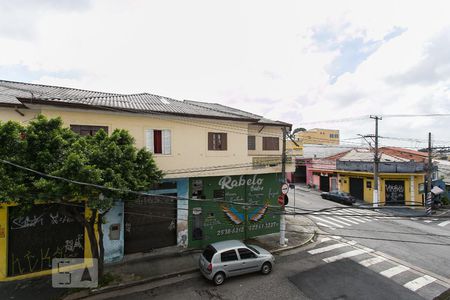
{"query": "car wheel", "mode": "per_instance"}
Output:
(219, 278)
(266, 268)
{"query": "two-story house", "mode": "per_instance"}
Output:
(222, 166)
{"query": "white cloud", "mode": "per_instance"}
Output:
(260, 56)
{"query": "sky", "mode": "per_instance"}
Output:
(296, 61)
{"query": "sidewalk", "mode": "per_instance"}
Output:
(299, 231)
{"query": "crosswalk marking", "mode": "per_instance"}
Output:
(394, 271)
(325, 225)
(325, 239)
(444, 223)
(332, 255)
(372, 261)
(356, 218)
(327, 248)
(344, 255)
(362, 213)
(327, 221)
(428, 221)
(341, 222)
(346, 219)
(418, 283)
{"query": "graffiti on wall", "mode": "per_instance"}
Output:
(395, 192)
(39, 235)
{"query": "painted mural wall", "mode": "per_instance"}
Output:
(233, 207)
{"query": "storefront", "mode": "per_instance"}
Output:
(233, 207)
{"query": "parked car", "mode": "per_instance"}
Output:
(231, 258)
(340, 197)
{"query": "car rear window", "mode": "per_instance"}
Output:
(209, 253)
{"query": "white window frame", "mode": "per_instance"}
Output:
(166, 141)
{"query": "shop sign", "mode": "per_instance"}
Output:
(227, 182)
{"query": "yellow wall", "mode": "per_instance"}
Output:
(189, 138)
(318, 136)
(3, 241)
(4, 247)
(294, 150)
(368, 193)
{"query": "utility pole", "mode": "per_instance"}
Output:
(376, 161)
(283, 179)
(429, 171)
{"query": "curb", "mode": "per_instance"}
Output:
(113, 288)
(107, 289)
(280, 250)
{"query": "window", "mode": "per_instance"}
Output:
(217, 141)
(87, 129)
(251, 142)
(159, 141)
(254, 250)
(271, 143)
(209, 253)
(228, 256)
(245, 253)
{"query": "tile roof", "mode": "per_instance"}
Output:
(367, 156)
(40, 91)
(18, 93)
(235, 111)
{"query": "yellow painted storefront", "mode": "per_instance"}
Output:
(411, 181)
(4, 234)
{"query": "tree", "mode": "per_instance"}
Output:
(46, 146)
(298, 130)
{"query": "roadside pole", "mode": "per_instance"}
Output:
(283, 178)
(429, 171)
(376, 160)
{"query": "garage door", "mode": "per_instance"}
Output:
(395, 192)
(324, 183)
(357, 188)
(150, 223)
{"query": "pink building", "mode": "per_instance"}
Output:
(319, 173)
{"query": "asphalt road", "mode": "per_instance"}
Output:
(358, 255)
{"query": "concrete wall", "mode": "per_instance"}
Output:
(114, 249)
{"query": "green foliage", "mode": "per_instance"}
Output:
(445, 200)
(48, 147)
(298, 130)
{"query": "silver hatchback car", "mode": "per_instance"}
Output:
(231, 258)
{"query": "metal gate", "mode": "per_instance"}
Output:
(150, 223)
(300, 174)
(41, 234)
(334, 185)
(395, 192)
(324, 183)
(357, 188)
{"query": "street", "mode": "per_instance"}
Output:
(359, 254)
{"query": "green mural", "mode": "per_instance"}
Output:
(233, 207)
